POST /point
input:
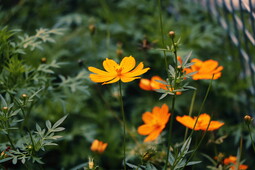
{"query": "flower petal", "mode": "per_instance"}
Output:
(153, 135)
(100, 72)
(145, 129)
(147, 117)
(100, 78)
(94, 145)
(110, 65)
(128, 79)
(127, 64)
(187, 121)
(112, 81)
(137, 71)
(208, 66)
(145, 84)
(214, 125)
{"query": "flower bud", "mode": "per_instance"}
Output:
(24, 95)
(171, 34)
(91, 163)
(92, 29)
(248, 119)
(119, 52)
(5, 108)
(43, 60)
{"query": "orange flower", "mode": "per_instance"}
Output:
(152, 84)
(98, 146)
(124, 71)
(205, 70)
(154, 122)
(202, 122)
(232, 160)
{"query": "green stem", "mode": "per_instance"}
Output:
(190, 112)
(202, 105)
(198, 145)
(252, 141)
(169, 133)
(10, 140)
(124, 124)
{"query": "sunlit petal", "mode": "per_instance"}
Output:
(127, 64)
(145, 129)
(110, 65)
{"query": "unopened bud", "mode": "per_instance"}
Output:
(24, 95)
(171, 34)
(91, 163)
(43, 60)
(119, 52)
(248, 119)
(92, 29)
(5, 108)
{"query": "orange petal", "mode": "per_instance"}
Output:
(137, 71)
(153, 135)
(100, 72)
(147, 117)
(208, 66)
(214, 125)
(112, 81)
(127, 64)
(99, 78)
(145, 84)
(128, 79)
(187, 121)
(145, 129)
(156, 111)
(110, 65)
(94, 145)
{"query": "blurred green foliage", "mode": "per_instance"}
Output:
(48, 45)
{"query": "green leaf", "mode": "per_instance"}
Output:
(59, 122)
(14, 160)
(48, 124)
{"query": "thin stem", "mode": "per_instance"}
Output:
(124, 124)
(190, 111)
(202, 105)
(169, 133)
(252, 141)
(198, 145)
(10, 140)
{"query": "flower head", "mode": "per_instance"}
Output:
(202, 122)
(153, 84)
(124, 71)
(231, 160)
(154, 122)
(205, 69)
(98, 146)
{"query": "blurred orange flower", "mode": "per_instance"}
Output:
(124, 71)
(152, 84)
(154, 122)
(98, 146)
(202, 122)
(205, 69)
(232, 160)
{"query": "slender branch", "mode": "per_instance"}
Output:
(190, 111)
(124, 124)
(252, 141)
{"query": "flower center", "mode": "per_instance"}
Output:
(118, 70)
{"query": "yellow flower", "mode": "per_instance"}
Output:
(124, 71)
